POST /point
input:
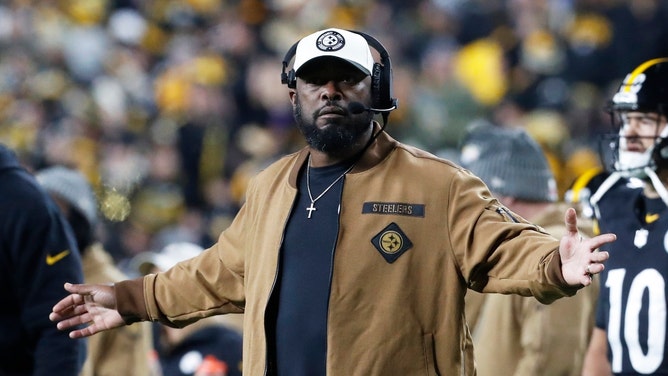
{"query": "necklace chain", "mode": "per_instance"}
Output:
(312, 208)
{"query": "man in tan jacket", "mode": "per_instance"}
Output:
(353, 255)
(122, 351)
(515, 335)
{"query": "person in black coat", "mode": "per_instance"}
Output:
(38, 254)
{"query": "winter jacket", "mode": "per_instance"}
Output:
(415, 232)
(38, 254)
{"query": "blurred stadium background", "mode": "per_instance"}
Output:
(169, 107)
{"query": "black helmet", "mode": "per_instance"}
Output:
(645, 89)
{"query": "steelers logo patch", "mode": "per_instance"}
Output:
(391, 242)
(330, 41)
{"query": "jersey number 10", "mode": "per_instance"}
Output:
(651, 281)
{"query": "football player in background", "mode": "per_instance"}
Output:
(630, 333)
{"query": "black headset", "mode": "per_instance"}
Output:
(381, 77)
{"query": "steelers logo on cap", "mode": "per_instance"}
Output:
(330, 41)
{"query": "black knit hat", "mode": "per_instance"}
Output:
(509, 161)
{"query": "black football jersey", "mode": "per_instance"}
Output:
(632, 301)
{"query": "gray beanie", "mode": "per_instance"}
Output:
(71, 186)
(509, 161)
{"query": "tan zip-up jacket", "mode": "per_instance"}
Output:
(415, 231)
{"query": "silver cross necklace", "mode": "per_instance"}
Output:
(312, 208)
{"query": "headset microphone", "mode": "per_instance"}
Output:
(357, 108)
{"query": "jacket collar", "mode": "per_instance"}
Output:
(374, 154)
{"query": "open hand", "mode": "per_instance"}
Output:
(581, 258)
(91, 305)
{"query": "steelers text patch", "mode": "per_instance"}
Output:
(393, 208)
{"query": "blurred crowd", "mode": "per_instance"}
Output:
(170, 106)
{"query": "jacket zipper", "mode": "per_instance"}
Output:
(331, 268)
(273, 285)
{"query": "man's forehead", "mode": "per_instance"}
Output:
(328, 65)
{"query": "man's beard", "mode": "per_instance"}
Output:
(339, 136)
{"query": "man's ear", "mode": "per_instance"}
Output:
(293, 97)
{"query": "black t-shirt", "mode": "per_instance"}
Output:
(301, 294)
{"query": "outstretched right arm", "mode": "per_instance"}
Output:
(91, 305)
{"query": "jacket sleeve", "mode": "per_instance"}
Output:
(498, 250)
(189, 291)
(209, 284)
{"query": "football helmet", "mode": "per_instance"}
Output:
(645, 89)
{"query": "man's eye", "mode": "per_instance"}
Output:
(649, 120)
(350, 80)
(316, 81)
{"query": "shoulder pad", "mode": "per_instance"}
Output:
(585, 185)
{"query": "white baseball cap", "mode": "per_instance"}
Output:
(342, 44)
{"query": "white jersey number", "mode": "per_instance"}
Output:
(652, 281)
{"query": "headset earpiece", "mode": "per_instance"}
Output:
(377, 85)
(292, 79)
(381, 87)
(289, 78)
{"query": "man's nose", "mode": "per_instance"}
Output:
(630, 127)
(330, 91)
